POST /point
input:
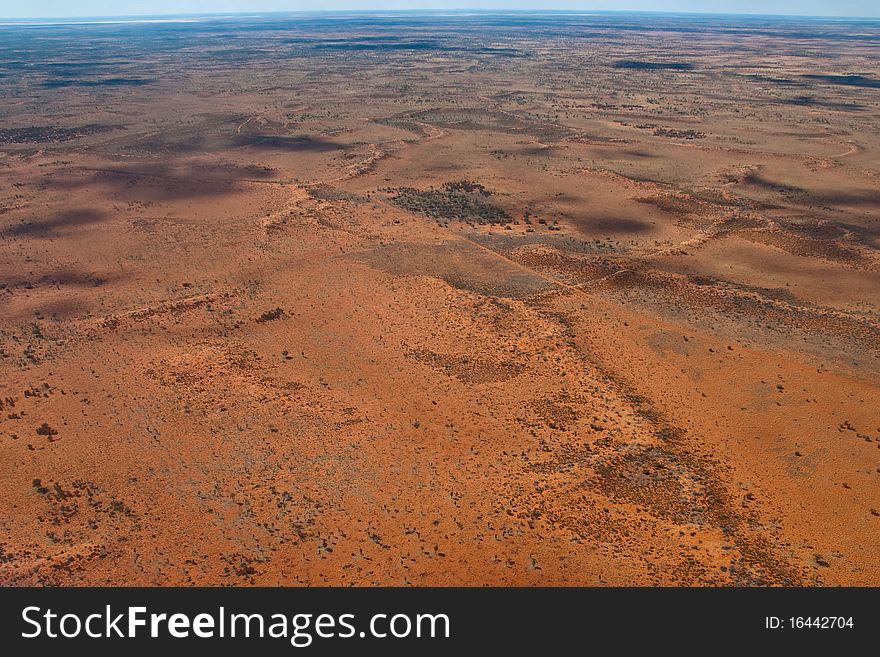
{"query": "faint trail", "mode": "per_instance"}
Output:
(708, 234)
(238, 129)
(853, 149)
(148, 135)
(112, 320)
(354, 170)
(437, 132)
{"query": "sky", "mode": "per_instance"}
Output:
(87, 8)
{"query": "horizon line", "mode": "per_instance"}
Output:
(180, 16)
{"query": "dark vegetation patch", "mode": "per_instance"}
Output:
(45, 430)
(50, 134)
(383, 44)
(846, 80)
(678, 134)
(462, 200)
(106, 82)
(271, 315)
(659, 131)
(637, 64)
(248, 170)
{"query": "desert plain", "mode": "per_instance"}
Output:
(440, 299)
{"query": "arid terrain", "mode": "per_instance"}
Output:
(457, 299)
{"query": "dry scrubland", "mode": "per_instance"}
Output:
(440, 300)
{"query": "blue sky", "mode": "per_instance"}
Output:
(68, 8)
